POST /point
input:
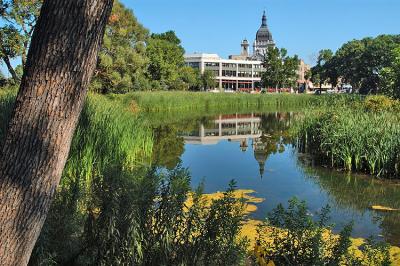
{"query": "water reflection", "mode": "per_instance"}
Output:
(246, 129)
(256, 151)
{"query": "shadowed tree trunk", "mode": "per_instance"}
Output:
(60, 63)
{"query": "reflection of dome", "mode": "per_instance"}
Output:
(261, 155)
(263, 34)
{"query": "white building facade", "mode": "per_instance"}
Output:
(231, 74)
(239, 72)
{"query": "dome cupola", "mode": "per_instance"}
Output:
(263, 34)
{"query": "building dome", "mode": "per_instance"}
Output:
(263, 34)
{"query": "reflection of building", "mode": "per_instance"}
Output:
(235, 128)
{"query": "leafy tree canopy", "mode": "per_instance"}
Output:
(365, 64)
(19, 18)
(280, 69)
(122, 59)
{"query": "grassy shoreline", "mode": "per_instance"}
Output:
(178, 101)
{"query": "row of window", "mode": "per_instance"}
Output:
(211, 64)
(228, 73)
(232, 73)
(230, 65)
(245, 66)
(244, 74)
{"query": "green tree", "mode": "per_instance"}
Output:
(19, 17)
(390, 76)
(208, 79)
(360, 62)
(320, 73)
(191, 78)
(280, 69)
(46, 111)
(165, 59)
(122, 60)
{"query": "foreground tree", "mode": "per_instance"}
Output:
(61, 61)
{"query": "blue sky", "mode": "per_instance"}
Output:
(301, 26)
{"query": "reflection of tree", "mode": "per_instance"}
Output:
(360, 193)
(274, 127)
(168, 146)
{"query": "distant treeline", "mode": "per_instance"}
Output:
(370, 65)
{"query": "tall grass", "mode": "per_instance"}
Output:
(107, 135)
(353, 138)
(7, 99)
(167, 101)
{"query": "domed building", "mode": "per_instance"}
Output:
(263, 40)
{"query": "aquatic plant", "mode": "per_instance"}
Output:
(167, 101)
(352, 138)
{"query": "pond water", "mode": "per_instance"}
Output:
(255, 150)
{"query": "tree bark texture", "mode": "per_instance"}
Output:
(61, 61)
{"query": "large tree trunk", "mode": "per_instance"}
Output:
(60, 63)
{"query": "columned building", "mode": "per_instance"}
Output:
(239, 72)
(231, 74)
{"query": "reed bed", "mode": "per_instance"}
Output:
(107, 135)
(352, 138)
(169, 101)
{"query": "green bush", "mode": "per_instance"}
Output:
(290, 236)
(141, 218)
(378, 103)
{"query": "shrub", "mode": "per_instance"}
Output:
(291, 237)
(377, 103)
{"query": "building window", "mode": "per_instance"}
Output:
(193, 64)
(244, 74)
(227, 65)
(228, 73)
(257, 74)
(211, 64)
(244, 65)
(229, 84)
